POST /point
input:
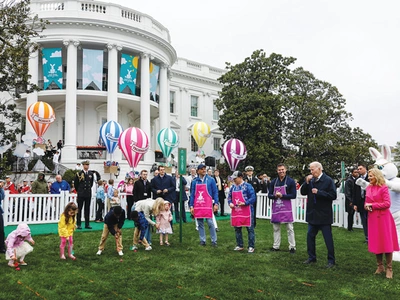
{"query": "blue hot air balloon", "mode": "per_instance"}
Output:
(167, 139)
(109, 133)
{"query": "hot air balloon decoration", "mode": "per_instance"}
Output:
(40, 115)
(167, 139)
(200, 133)
(234, 150)
(109, 133)
(133, 143)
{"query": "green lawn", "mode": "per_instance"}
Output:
(187, 271)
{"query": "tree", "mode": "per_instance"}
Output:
(17, 29)
(288, 116)
(316, 127)
(250, 101)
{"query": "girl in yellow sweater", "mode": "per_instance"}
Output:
(66, 227)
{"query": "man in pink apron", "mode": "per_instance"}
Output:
(204, 202)
(241, 198)
(282, 190)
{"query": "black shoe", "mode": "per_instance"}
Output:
(88, 227)
(203, 244)
(79, 227)
(330, 265)
(292, 251)
(366, 242)
(223, 215)
(309, 261)
(274, 249)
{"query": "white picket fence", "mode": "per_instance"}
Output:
(43, 208)
(47, 208)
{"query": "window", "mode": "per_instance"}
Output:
(217, 144)
(172, 102)
(193, 144)
(215, 112)
(194, 103)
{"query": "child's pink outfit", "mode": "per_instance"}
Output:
(164, 218)
(16, 241)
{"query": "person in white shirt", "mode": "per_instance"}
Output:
(56, 161)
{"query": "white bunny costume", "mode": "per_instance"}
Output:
(389, 170)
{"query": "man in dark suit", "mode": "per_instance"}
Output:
(321, 191)
(83, 184)
(163, 186)
(141, 188)
(360, 200)
(178, 213)
(350, 191)
(221, 191)
(253, 180)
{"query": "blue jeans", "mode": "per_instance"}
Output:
(250, 233)
(327, 234)
(202, 233)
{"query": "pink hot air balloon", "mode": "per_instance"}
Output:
(234, 151)
(133, 143)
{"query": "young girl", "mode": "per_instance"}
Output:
(100, 199)
(164, 218)
(66, 227)
(16, 246)
(115, 200)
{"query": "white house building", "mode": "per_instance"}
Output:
(101, 61)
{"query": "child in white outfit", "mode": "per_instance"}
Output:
(164, 218)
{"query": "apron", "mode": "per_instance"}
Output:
(203, 204)
(281, 209)
(240, 215)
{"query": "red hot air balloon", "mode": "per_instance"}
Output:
(133, 143)
(40, 115)
(234, 151)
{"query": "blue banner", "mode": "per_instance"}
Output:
(92, 69)
(153, 80)
(128, 72)
(52, 67)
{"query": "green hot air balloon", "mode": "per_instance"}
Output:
(167, 139)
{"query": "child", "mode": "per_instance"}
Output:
(164, 218)
(115, 200)
(66, 227)
(110, 192)
(141, 225)
(16, 246)
(100, 199)
(113, 222)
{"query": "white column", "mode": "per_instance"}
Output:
(164, 98)
(112, 92)
(33, 66)
(145, 102)
(69, 150)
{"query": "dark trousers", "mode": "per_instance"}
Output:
(254, 213)
(2, 246)
(83, 202)
(129, 201)
(178, 213)
(100, 209)
(327, 234)
(350, 218)
(221, 199)
(364, 222)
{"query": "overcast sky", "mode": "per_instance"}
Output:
(352, 44)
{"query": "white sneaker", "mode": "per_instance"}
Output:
(251, 250)
(99, 252)
(148, 248)
(237, 248)
(120, 253)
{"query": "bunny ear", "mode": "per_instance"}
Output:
(375, 153)
(386, 152)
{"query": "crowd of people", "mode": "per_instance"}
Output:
(153, 204)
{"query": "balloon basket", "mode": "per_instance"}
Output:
(110, 169)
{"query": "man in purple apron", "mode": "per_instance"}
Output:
(282, 190)
(241, 198)
(203, 203)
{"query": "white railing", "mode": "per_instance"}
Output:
(44, 208)
(47, 208)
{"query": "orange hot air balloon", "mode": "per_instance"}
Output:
(40, 115)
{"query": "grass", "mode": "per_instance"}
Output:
(187, 271)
